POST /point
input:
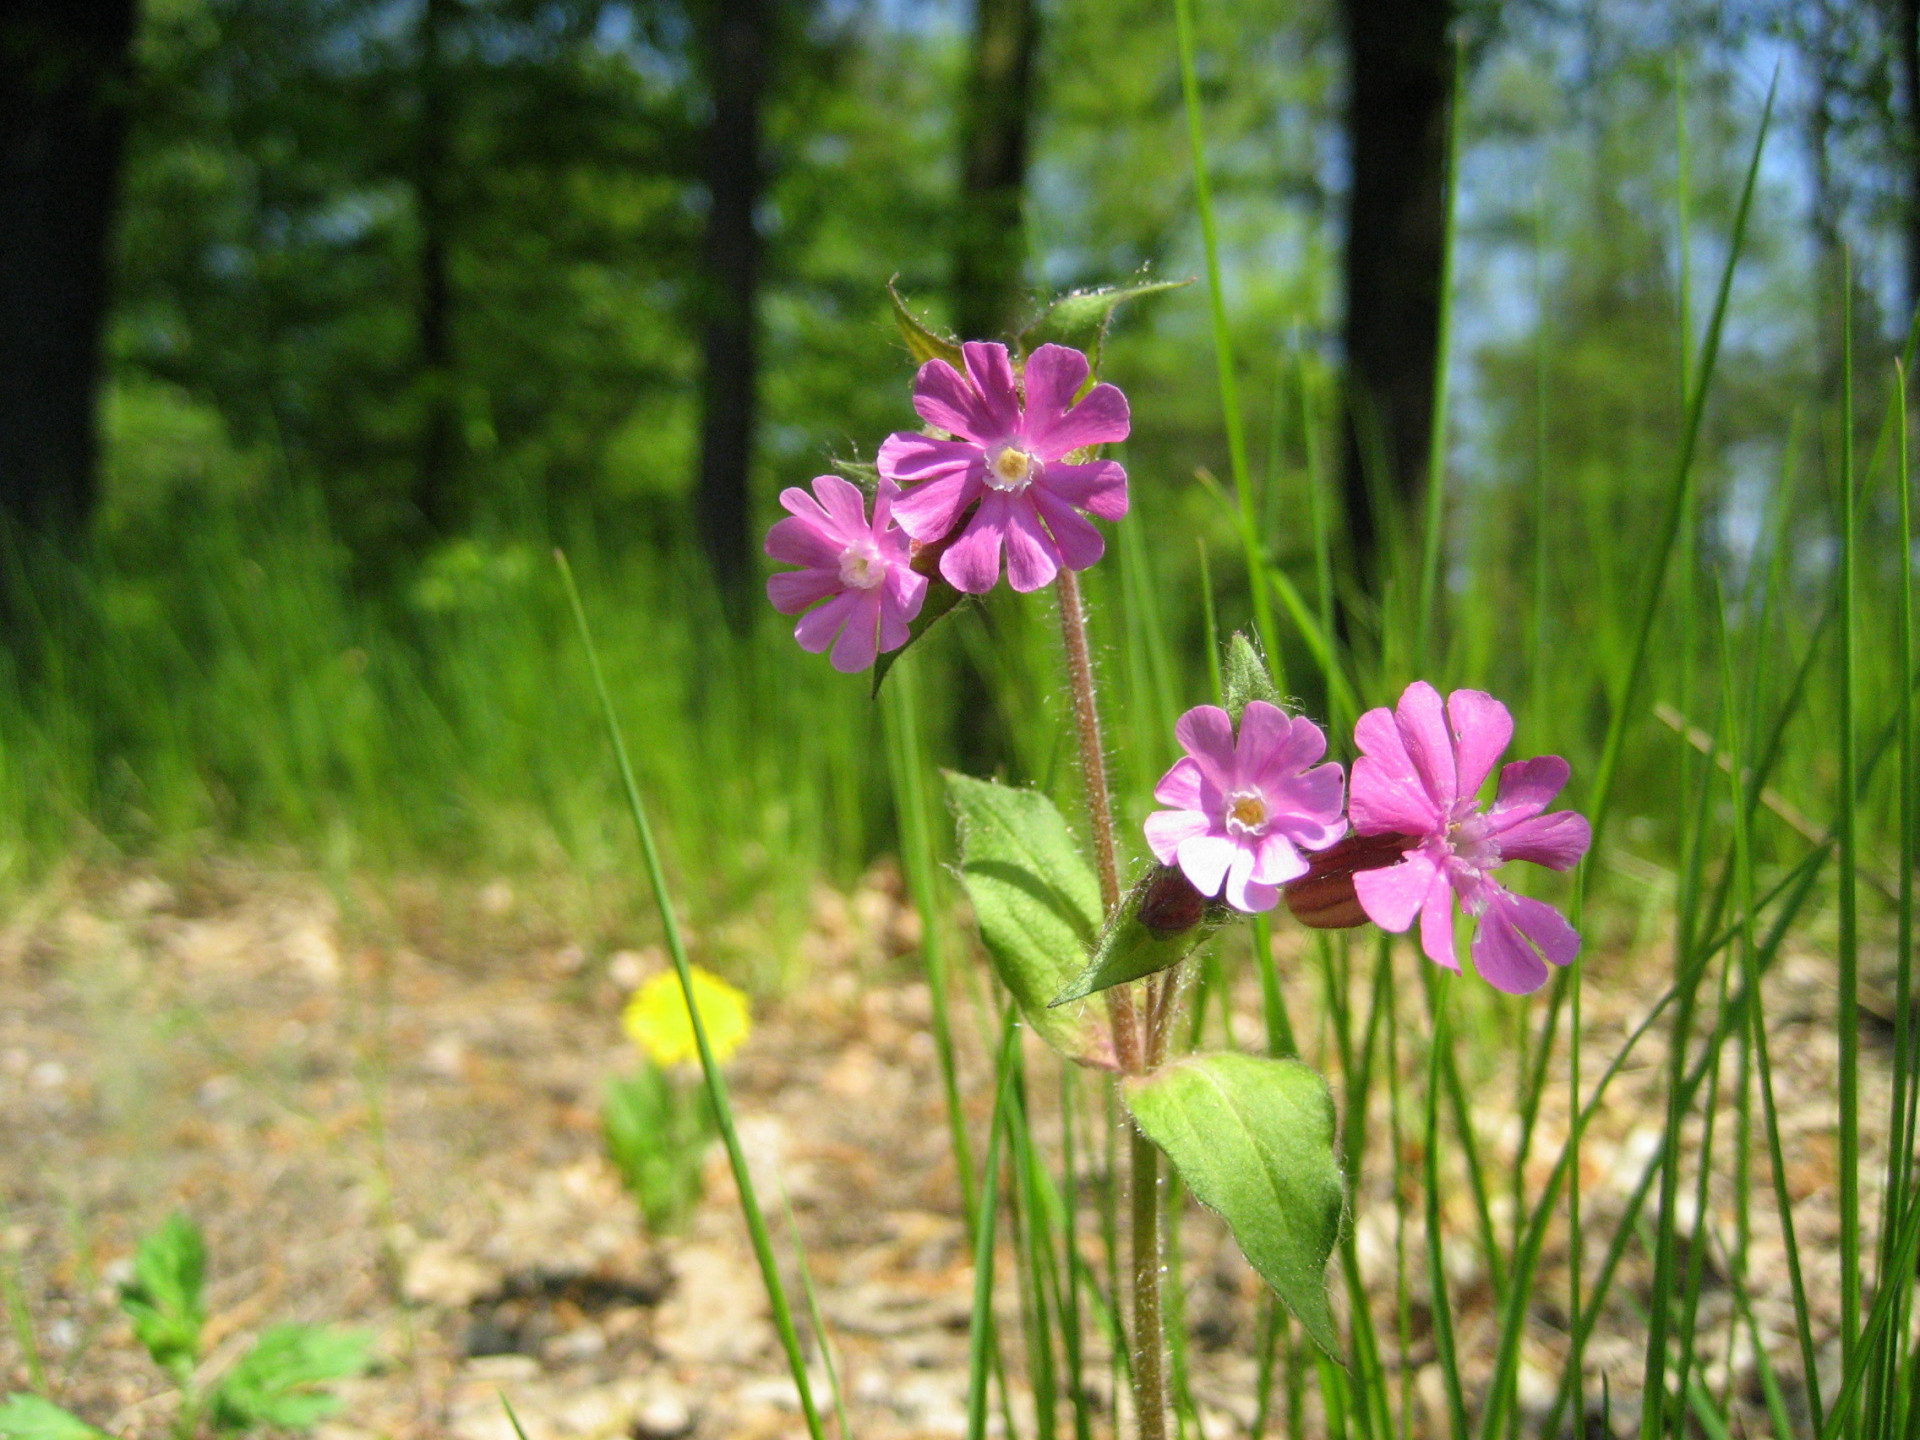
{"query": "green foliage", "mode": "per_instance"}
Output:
(1037, 903)
(656, 1134)
(164, 1298)
(1246, 678)
(924, 343)
(280, 1383)
(1160, 922)
(1081, 318)
(1253, 1138)
(29, 1417)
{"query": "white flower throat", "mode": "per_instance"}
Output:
(1010, 469)
(861, 567)
(1246, 813)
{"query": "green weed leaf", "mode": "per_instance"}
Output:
(1038, 904)
(923, 343)
(1253, 1139)
(656, 1133)
(1080, 319)
(941, 600)
(1162, 920)
(163, 1298)
(28, 1417)
(1247, 678)
(280, 1383)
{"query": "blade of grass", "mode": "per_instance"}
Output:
(1847, 855)
(981, 1346)
(716, 1082)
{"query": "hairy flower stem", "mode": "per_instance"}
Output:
(1149, 1383)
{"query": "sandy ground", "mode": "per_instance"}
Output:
(390, 1121)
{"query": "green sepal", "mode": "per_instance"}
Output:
(1246, 678)
(923, 343)
(280, 1384)
(1162, 920)
(1080, 318)
(860, 472)
(28, 1417)
(1253, 1138)
(941, 600)
(1038, 906)
(163, 1298)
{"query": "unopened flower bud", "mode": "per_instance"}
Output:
(1324, 897)
(1169, 904)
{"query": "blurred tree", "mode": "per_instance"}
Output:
(64, 87)
(990, 237)
(1401, 89)
(438, 493)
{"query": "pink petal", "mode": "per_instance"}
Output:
(990, 369)
(943, 398)
(1545, 926)
(1032, 557)
(803, 505)
(1205, 859)
(1308, 807)
(1054, 376)
(1436, 923)
(909, 459)
(1392, 895)
(844, 502)
(927, 512)
(1181, 787)
(1501, 952)
(1078, 543)
(1099, 419)
(1526, 788)
(792, 591)
(854, 651)
(1168, 829)
(1206, 734)
(1384, 800)
(1274, 747)
(1099, 487)
(906, 591)
(1276, 860)
(803, 540)
(1422, 722)
(817, 628)
(972, 563)
(1482, 730)
(1556, 841)
(1243, 893)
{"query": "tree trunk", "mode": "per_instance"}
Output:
(735, 50)
(990, 240)
(438, 497)
(65, 88)
(1397, 117)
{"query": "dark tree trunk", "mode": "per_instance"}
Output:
(438, 494)
(735, 50)
(65, 81)
(990, 241)
(1397, 118)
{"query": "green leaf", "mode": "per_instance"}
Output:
(28, 1417)
(280, 1382)
(941, 600)
(1080, 319)
(861, 472)
(923, 343)
(1253, 1139)
(1247, 677)
(1162, 921)
(163, 1298)
(1038, 905)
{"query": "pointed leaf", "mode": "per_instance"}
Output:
(860, 472)
(1252, 1138)
(28, 1417)
(1247, 678)
(1038, 905)
(1080, 319)
(923, 343)
(1162, 920)
(281, 1382)
(163, 1298)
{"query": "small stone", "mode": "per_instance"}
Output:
(438, 1274)
(665, 1417)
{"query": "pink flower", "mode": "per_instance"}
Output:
(1419, 773)
(1246, 807)
(1009, 456)
(861, 566)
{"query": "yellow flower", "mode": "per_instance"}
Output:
(656, 1018)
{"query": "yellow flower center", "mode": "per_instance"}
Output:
(1009, 469)
(1246, 812)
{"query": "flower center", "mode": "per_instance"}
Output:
(861, 567)
(1010, 469)
(1246, 813)
(1467, 838)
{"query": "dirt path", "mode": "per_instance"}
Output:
(384, 1123)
